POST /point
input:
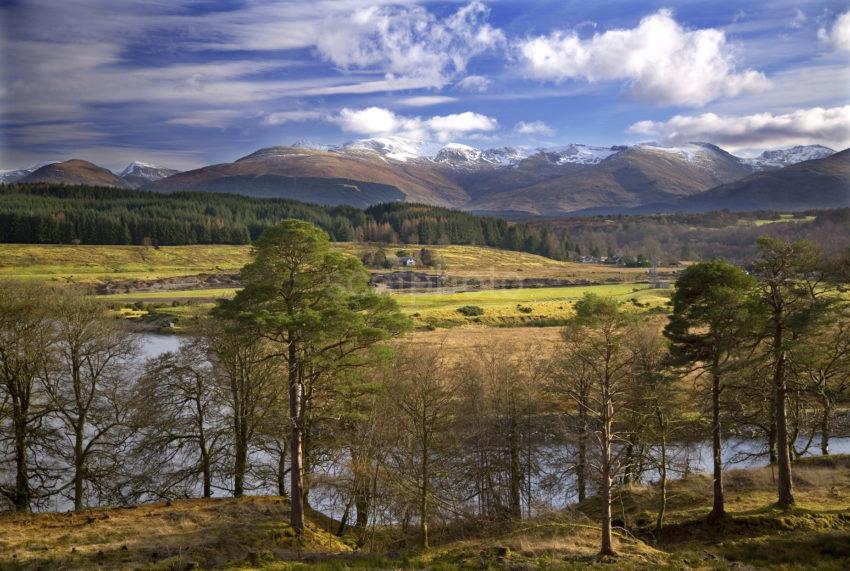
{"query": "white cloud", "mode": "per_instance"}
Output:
(281, 117)
(459, 124)
(377, 121)
(534, 128)
(799, 19)
(661, 61)
(425, 100)
(816, 125)
(474, 84)
(408, 41)
(839, 36)
(213, 118)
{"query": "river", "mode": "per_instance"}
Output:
(690, 457)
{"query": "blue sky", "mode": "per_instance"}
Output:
(186, 83)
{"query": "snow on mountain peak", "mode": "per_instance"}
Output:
(580, 154)
(310, 145)
(395, 148)
(779, 158)
(136, 166)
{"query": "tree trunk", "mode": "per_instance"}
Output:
(296, 486)
(771, 430)
(783, 458)
(515, 470)
(825, 426)
(240, 464)
(423, 499)
(581, 465)
(607, 546)
(22, 485)
(662, 483)
(718, 510)
(361, 521)
(78, 467)
(281, 471)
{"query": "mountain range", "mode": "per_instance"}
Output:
(507, 181)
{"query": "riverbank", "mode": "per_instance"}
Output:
(253, 533)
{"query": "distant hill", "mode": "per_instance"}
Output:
(357, 178)
(631, 177)
(75, 172)
(511, 182)
(818, 183)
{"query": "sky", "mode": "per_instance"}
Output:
(185, 83)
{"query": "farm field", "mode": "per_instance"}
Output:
(92, 264)
(501, 307)
(89, 264)
(68, 264)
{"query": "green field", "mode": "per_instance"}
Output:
(87, 264)
(501, 307)
(784, 218)
(91, 264)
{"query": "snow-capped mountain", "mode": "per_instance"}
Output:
(580, 154)
(546, 181)
(139, 173)
(784, 157)
(13, 175)
(394, 148)
(311, 145)
(466, 157)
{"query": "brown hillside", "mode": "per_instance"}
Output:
(75, 171)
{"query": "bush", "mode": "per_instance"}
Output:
(524, 308)
(470, 310)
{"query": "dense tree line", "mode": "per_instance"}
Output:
(52, 214)
(705, 236)
(305, 385)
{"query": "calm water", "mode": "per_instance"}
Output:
(692, 457)
(155, 344)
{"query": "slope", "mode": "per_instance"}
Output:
(817, 183)
(320, 177)
(634, 176)
(75, 171)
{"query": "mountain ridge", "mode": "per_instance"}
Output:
(543, 181)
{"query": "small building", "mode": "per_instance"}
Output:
(407, 262)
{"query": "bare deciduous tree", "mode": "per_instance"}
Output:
(26, 352)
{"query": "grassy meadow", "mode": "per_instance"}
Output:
(90, 264)
(501, 307)
(253, 533)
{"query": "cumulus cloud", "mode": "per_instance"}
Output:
(829, 127)
(408, 41)
(377, 121)
(660, 60)
(838, 37)
(534, 128)
(474, 84)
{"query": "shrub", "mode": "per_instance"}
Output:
(470, 310)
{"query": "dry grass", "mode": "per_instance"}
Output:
(549, 544)
(88, 264)
(208, 533)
